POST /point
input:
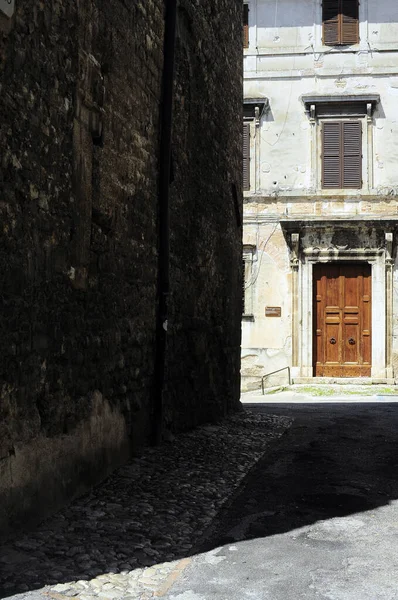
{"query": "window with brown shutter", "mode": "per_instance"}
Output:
(246, 156)
(342, 155)
(340, 22)
(245, 25)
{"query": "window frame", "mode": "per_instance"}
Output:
(342, 107)
(254, 110)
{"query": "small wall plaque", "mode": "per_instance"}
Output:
(273, 311)
(7, 7)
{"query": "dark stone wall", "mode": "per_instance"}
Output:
(204, 337)
(80, 92)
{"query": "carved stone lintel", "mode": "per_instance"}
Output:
(294, 256)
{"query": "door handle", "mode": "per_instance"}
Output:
(351, 341)
(332, 340)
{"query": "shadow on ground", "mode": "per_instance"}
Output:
(336, 460)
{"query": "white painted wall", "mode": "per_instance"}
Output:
(286, 59)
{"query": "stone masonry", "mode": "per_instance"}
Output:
(80, 96)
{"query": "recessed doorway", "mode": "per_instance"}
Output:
(342, 320)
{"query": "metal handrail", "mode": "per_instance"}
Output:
(273, 373)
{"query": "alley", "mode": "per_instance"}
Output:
(130, 537)
(279, 502)
(317, 518)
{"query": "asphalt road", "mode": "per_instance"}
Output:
(317, 518)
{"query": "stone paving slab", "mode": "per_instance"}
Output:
(129, 537)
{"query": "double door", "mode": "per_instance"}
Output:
(342, 320)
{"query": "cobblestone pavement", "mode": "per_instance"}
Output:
(131, 536)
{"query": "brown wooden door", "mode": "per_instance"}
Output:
(342, 320)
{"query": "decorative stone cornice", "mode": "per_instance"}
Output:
(292, 224)
(368, 101)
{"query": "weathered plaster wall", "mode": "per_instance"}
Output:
(285, 60)
(266, 341)
(284, 26)
(271, 265)
(286, 129)
(80, 90)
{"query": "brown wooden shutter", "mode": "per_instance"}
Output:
(331, 22)
(352, 154)
(331, 155)
(349, 22)
(246, 156)
(245, 25)
(340, 22)
(342, 155)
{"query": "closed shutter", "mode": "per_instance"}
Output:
(331, 155)
(350, 22)
(342, 155)
(340, 22)
(245, 25)
(246, 156)
(331, 22)
(352, 154)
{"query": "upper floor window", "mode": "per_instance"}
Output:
(340, 22)
(245, 25)
(342, 154)
(342, 141)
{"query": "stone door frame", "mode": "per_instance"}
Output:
(381, 263)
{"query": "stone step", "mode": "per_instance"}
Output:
(342, 381)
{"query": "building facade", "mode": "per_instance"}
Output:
(321, 182)
(91, 361)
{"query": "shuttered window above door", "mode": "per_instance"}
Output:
(340, 22)
(342, 155)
